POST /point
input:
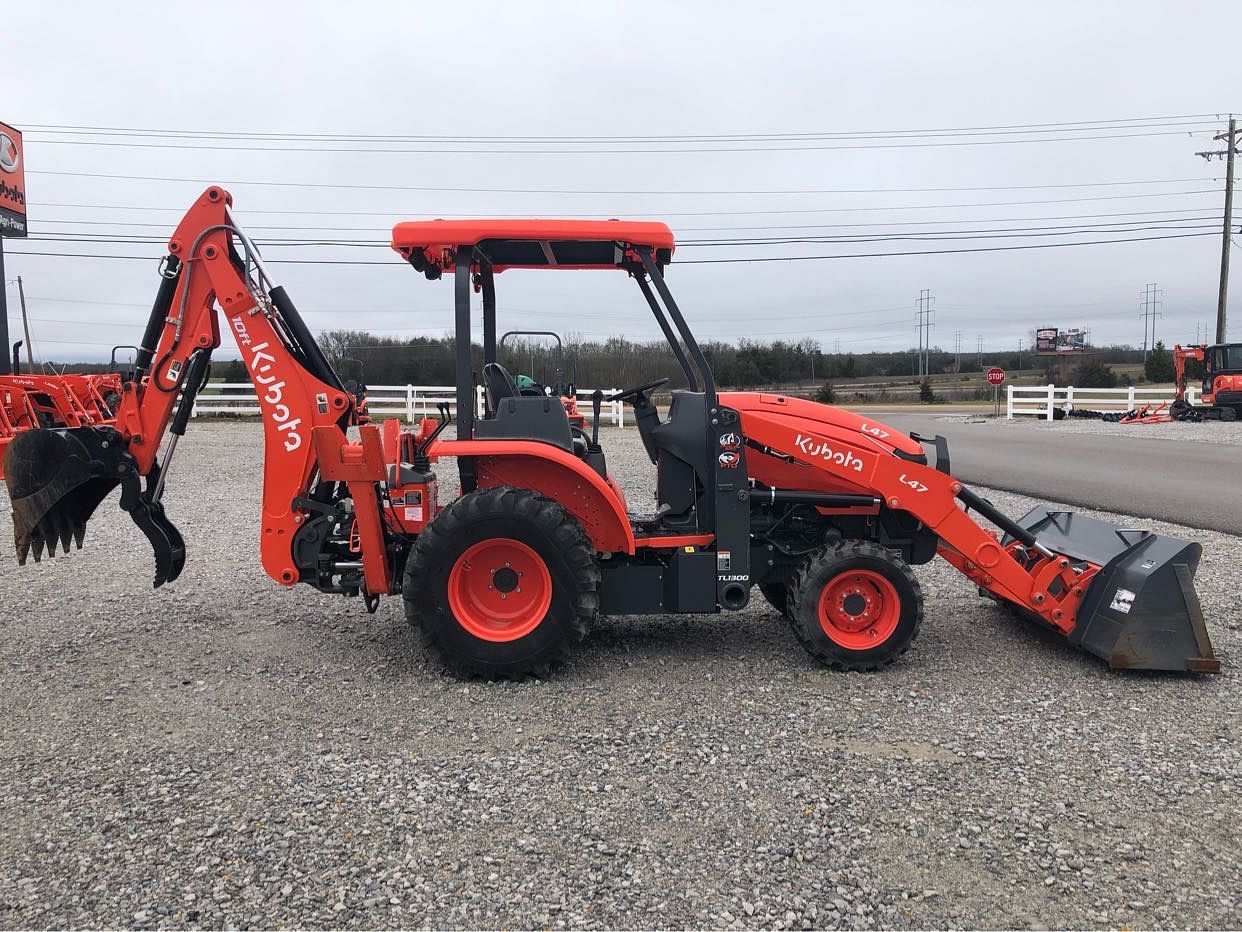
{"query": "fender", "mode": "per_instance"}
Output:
(556, 473)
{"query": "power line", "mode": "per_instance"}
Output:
(941, 252)
(1035, 127)
(446, 189)
(738, 260)
(1209, 215)
(413, 188)
(322, 149)
(909, 236)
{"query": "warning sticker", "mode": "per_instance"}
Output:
(414, 514)
(1123, 599)
(724, 561)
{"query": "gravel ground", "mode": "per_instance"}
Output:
(223, 752)
(1181, 431)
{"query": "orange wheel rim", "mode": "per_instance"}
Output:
(499, 590)
(859, 610)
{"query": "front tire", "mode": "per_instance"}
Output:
(502, 585)
(855, 606)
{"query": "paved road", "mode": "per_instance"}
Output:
(1187, 483)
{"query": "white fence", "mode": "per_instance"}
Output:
(1042, 400)
(404, 401)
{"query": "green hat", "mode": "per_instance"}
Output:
(525, 381)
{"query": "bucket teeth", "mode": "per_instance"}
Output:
(56, 478)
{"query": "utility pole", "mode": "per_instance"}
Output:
(957, 350)
(1230, 139)
(980, 345)
(918, 326)
(1150, 303)
(924, 321)
(21, 293)
(1020, 342)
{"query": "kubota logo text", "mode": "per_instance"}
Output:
(10, 155)
(812, 447)
(274, 394)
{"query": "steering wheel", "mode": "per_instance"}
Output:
(633, 394)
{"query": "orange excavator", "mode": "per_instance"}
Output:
(1222, 381)
(822, 511)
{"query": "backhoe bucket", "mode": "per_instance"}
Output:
(56, 478)
(1140, 611)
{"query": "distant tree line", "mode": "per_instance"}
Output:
(619, 362)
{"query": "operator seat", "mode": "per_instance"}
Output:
(498, 384)
(511, 415)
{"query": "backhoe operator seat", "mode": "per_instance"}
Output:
(498, 384)
(510, 415)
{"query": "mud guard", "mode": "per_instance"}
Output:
(553, 472)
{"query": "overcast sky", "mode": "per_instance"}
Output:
(485, 70)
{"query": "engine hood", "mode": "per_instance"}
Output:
(825, 420)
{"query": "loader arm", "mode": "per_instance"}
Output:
(1042, 583)
(303, 406)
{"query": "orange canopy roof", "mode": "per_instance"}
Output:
(571, 244)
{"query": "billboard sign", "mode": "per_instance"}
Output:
(1071, 341)
(12, 182)
(1054, 340)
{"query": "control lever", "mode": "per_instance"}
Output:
(597, 400)
(420, 451)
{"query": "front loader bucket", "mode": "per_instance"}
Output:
(1140, 611)
(56, 478)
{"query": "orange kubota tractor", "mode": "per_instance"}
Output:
(1222, 381)
(824, 511)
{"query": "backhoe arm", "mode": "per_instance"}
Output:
(1180, 355)
(57, 481)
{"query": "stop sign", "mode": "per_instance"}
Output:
(996, 375)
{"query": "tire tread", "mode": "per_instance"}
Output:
(805, 578)
(529, 507)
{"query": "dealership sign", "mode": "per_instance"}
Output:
(12, 182)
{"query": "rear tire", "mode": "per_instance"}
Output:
(855, 606)
(1228, 414)
(502, 585)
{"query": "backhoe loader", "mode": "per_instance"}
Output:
(1221, 396)
(822, 510)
